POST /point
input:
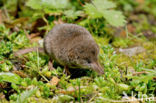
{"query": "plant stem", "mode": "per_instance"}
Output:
(78, 81)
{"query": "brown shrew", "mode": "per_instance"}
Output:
(72, 46)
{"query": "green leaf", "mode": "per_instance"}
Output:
(64, 98)
(123, 86)
(55, 4)
(103, 8)
(5, 48)
(47, 4)
(10, 77)
(92, 11)
(103, 4)
(72, 14)
(34, 4)
(22, 98)
(114, 18)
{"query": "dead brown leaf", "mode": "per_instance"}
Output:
(131, 28)
(50, 65)
(70, 90)
(33, 35)
(58, 22)
(20, 73)
(36, 39)
(1, 62)
(1, 21)
(121, 32)
(54, 80)
(140, 1)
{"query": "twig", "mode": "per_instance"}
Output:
(24, 51)
(138, 73)
(79, 96)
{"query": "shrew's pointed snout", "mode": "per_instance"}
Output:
(97, 67)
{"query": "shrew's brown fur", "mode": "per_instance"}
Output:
(72, 46)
